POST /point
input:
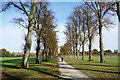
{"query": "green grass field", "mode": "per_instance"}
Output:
(95, 69)
(11, 68)
(46, 70)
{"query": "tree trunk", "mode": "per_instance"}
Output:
(44, 55)
(79, 48)
(48, 52)
(83, 51)
(53, 51)
(38, 50)
(101, 46)
(70, 49)
(78, 55)
(100, 36)
(90, 46)
(27, 48)
(74, 51)
(118, 10)
(83, 43)
(28, 37)
(77, 51)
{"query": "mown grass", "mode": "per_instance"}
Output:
(95, 69)
(11, 69)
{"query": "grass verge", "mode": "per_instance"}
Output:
(46, 70)
(95, 69)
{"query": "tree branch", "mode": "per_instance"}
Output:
(24, 8)
(6, 6)
(107, 9)
(18, 7)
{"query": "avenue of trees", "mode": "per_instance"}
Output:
(85, 22)
(41, 21)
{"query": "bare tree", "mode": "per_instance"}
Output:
(100, 10)
(74, 27)
(83, 38)
(28, 9)
(91, 25)
(40, 9)
(77, 23)
(48, 25)
(68, 34)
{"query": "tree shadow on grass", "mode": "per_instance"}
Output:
(91, 70)
(95, 65)
(10, 66)
(11, 77)
(18, 61)
(50, 65)
(47, 73)
(99, 65)
(15, 61)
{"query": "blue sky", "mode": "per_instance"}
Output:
(12, 35)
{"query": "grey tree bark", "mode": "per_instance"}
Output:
(101, 44)
(102, 60)
(28, 37)
(83, 41)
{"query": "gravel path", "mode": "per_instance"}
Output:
(69, 72)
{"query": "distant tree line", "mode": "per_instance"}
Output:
(106, 52)
(5, 53)
(65, 50)
(22, 54)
